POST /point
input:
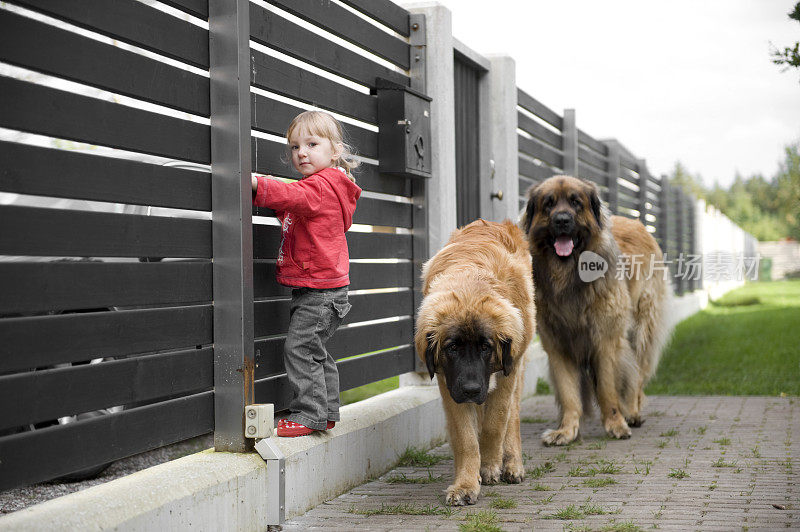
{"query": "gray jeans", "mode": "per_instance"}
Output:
(314, 316)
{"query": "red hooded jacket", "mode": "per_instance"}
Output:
(315, 213)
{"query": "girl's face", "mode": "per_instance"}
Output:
(311, 153)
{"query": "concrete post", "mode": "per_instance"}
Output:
(440, 189)
(570, 134)
(613, 173)
(644, 176)
(504, 149)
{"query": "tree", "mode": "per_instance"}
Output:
(787, 184)
(691, 184)
(769, 209)
(789, 56)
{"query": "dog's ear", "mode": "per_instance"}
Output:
(530, 209)
(597, 206)
(430, 356)
(508, 362)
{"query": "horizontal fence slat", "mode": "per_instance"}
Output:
(533, 106)
(371, 211)
(276, 32)
(536, 129)
(592, 174)
(38, 46)
(629, 164)
(103, 439)
(595, 145)
(540, 151)
(272, 317)
(536, 172)
(197, 8)
(352, 373)
(271, 158)
(43, 286)
(364, 370)
(133, 22)
(274, 117)
(591, 158)
(69, 174)
(346, 342)
(39, 396)
(363, 276)
(349, 27)
(524, 185)
(628, 202)
(383, 213)
(267, 241)
(28, 342)
(38, 109)
(272, 74)
(70, 233)
(384, 11)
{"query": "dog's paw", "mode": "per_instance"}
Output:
(490, 474)
(462, 495)
(562, 436)
(513, 473)
(635, 421)
(617, 428)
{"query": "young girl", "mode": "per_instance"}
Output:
(315, 213)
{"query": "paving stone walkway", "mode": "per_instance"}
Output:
(698, 463)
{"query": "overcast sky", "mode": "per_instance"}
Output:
(687, 80)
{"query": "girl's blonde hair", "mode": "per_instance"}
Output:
(326, 126)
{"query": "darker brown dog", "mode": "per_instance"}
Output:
(603, 337)
(473, 328)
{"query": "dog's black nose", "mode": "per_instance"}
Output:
(471, 389)
(563, 222)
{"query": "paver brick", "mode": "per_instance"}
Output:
(681, 435)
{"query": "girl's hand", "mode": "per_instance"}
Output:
(254, 180)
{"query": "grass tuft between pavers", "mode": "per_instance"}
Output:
(540, 470)
(413, 457)
(404, 509)
(481, 521)
(403, 479)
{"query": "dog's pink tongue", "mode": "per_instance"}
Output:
(564, 246)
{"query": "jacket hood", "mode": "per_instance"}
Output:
(346, 191)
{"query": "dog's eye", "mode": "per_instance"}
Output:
(576, 202)
(451, 349)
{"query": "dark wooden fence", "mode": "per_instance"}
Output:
(150, 325)
(551, 144)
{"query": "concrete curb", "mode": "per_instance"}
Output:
(225, 491)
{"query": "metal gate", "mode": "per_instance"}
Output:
(467, 113)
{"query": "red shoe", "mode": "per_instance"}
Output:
(290, 429)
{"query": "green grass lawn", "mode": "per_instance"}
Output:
(368, 390)
(746, 343)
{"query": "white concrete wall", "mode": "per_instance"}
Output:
(785, 255)
(717, 233)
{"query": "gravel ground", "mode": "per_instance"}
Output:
(20, 498)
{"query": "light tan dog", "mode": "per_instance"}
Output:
(473, 328)
(603, 336)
